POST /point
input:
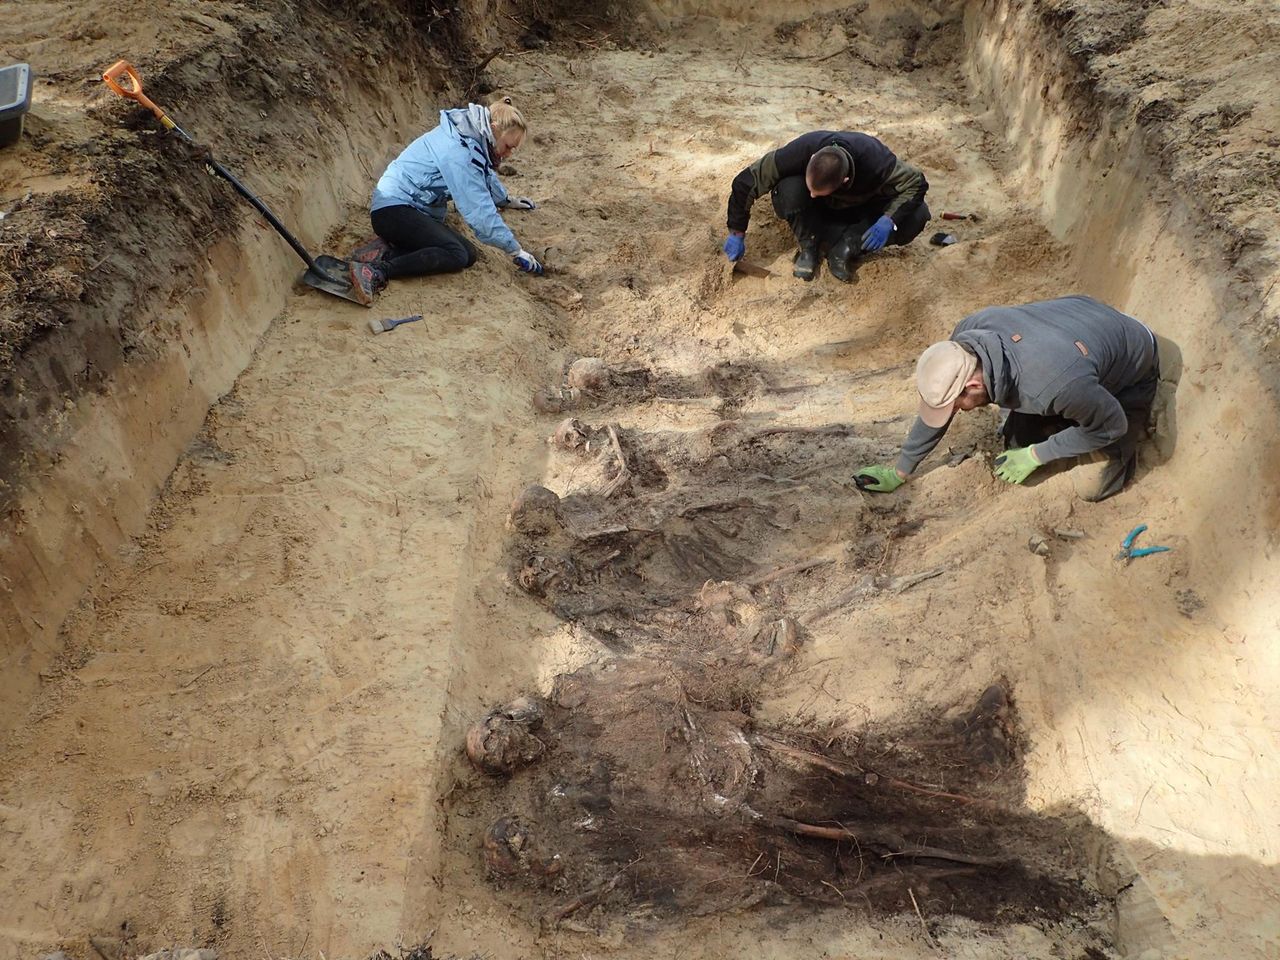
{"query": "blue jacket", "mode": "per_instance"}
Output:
(451, 162)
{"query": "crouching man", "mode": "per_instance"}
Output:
(1078, 377)
(843, 191)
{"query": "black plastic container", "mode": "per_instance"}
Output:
(15, 101)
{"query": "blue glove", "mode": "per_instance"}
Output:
(527, 262)
(521, 203)
(878, 235)
(735, 246)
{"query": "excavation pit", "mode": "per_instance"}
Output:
(261, 575)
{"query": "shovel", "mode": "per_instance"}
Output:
(750, 269)
(745, 268)
(323, 272)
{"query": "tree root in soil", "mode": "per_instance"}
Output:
(588, 899)
(869, 586)
(886, 846)
(622, 476)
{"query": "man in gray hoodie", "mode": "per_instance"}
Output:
(1078, 377)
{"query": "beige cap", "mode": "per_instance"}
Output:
(941, 373)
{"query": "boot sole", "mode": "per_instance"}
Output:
(356, 289)
(376, 250)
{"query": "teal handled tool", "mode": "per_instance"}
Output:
(1128, 551)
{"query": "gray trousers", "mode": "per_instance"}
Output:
(1102, 473)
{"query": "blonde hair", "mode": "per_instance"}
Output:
(503, 116)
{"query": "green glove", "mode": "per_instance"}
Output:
(878, 479)
(1014, 466)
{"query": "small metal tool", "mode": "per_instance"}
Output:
(1129, 552)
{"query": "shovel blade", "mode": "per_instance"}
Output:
(751, 269)
(331, 278)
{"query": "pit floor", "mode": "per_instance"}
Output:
(252, 738)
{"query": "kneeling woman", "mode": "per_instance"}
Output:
(457, 161)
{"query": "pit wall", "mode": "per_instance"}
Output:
(111, 450)
(118, 446)
(667, 14)
(769, 11)
(1140, 246)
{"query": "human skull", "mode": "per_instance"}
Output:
(535, 510)
(588, 374)
(504, 740)
(570, 434)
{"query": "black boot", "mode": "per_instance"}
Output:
(806, 267)
(842, 256)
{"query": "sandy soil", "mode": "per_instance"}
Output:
(251, 735)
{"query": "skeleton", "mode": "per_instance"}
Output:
(510, 850)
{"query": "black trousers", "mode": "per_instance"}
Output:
(815, 220)
(422, 244)
(1121, 456)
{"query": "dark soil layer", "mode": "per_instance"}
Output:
(644, 799)
(645, 788)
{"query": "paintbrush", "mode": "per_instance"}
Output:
(382, 326)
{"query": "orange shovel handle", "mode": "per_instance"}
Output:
(123, 68)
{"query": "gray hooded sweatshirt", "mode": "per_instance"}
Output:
(472, 121)
(1056, 358)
